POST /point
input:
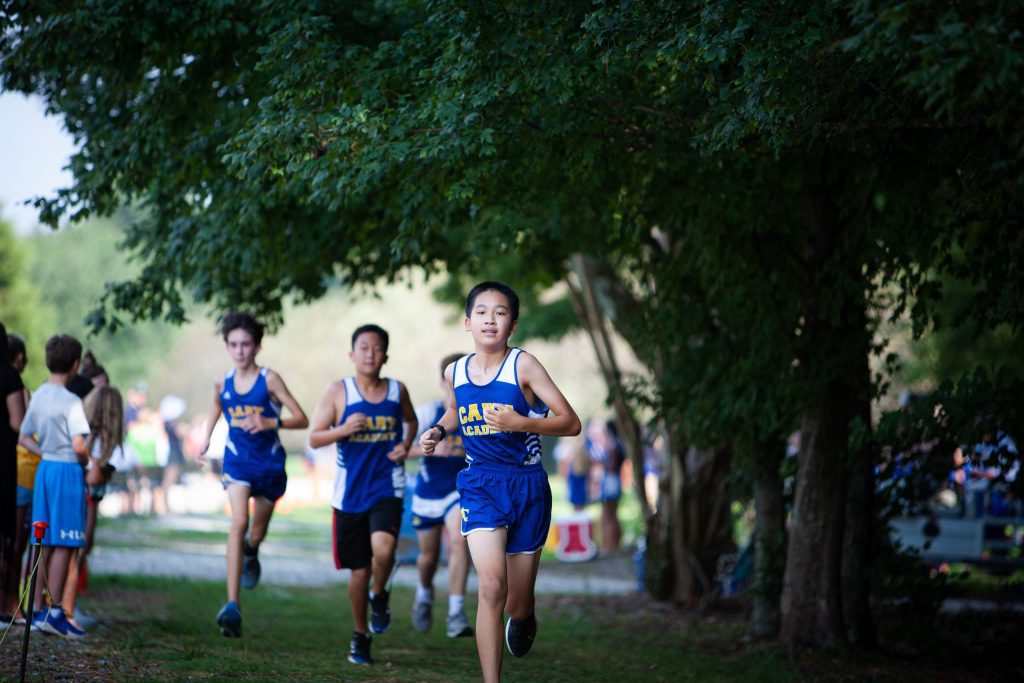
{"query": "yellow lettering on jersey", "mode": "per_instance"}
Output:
(474, 413)
(462, 415)
(239, 413)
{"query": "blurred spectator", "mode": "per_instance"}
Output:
(607, 453)
(574, 464)
(172, 408)
(82, 383)
(987, 470)
(12, 412)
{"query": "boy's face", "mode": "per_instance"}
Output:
(490, 320)
(368, 354)
(242, 348)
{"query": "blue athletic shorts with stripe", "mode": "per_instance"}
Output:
(515, 497)
(59, 500)
(430, 512)
(268, 483)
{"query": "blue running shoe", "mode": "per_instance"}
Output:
(38, 617)
(359, 648)
(55, 623)
(229, 618)
(250, 565)
(380, 615)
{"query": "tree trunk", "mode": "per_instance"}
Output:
(769, 540)
(833, 351)
(860, 516)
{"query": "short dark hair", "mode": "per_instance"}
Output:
(6, 355)
(90, 367)
(237, 320)
(376, 329)
(16, 345)
(62, 351)
(496, 286)
(448, 360)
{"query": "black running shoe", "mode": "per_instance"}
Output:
(380, 615)
(359, 649)
(519, 635)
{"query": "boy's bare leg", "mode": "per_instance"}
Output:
(262, 511)
(383, 545)
(238, 497)
(71, 583)
(56, 560)
(488, 551)
(358, 597)
(430, 548)
(522, 577)
(458, 553)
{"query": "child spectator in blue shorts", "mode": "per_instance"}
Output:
(251, 398)
(372, 421)
(499, 402)
(57, 417)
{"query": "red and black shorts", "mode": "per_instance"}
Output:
(352, 531)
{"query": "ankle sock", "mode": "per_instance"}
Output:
(424, 594)
(456, 603)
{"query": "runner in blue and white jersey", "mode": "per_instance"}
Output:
(372, 421)
(251, 399)
(499, 403)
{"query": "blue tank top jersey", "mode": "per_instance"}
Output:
(435, 477)
(483, 445)
(365, 476)
(262, 449)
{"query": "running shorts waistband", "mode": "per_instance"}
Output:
(500, 468)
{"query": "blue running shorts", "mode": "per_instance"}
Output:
(59, 500)
(263, 483)
(511, 496)
(430, 512)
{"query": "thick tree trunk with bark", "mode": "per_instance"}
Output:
(860, 515)
(835, 349)
(769, 540)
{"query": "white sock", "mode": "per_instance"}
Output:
(424, 594)
(455, 603)
(56, 611)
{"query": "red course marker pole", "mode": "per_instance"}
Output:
(38, 531)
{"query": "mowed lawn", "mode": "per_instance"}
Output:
(161, 629)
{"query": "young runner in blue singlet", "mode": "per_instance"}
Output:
(435, 508)
(498, 403)
(373, 423)
(251, 399)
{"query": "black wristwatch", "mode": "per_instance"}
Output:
(444, 432)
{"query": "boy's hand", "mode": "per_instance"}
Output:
(354, 423)
(399, 453)
(257, 423)
(501, 419)
(201, 458)
(429, 440)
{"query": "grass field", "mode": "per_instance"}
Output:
(163, 629)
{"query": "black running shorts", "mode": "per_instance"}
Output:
(352, 531)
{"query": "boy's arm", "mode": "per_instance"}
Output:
(410, 423)
(29, 444)
(432, 435)
(211, 419)
(296, 418)
(325, 431)
(534, 377)
(80, 448)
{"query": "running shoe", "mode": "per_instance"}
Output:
(57, 625)
(229, 618)
(380, 615)
(458, 626)
(80, 617)
(250, 565)
(519, 635)
(359, 648)
(422, 615)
